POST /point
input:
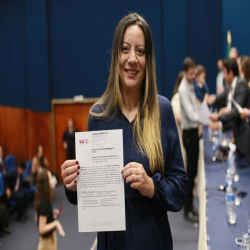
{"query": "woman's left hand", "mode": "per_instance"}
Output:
(135, 174)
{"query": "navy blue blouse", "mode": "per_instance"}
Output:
(147, 225)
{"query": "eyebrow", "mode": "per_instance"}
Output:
(135, 46)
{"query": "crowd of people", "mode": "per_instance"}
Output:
(20, 189)
(191, 90)
(16, 194)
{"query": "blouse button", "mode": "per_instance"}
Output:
(129, 126)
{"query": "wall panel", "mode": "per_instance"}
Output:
(22, 130)
(13, 135)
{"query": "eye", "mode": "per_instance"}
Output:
(124, 49)
(140, 51)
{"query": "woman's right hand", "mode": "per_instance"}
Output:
(60, 229)
(70, 171)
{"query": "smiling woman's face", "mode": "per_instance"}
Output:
(132, 63)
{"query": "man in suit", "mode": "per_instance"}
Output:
(237, 89)
(16, 191)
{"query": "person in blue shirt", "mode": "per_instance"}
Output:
(155, 179)
(200, 85)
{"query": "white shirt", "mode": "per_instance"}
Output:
(219, 79)
(189, 115)
(231, 93)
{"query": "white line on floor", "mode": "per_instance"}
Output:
(94, 244)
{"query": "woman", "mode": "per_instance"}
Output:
(175, 102)
(155, 179)
(40, 162)
(69, 140)
(200, 85)
(45, 216)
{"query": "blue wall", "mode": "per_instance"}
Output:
(236, 17)
(58, 49)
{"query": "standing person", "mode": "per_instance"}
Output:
(155, 179)
(237, 89)
(175, 102)
(45, 216)
(69, 140)
(192, 130)
(200, 85)
(219, 78)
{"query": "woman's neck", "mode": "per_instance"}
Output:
(131, 99)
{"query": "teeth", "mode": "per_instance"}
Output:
(131, 72)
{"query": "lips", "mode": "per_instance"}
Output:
(132, 71)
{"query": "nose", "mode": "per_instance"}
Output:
(132, 57)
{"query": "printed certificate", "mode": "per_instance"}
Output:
(100, 186)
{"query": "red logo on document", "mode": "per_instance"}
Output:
(84, 141)
(81, 141)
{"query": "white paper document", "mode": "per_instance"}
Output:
(237, 105)
(204, 113)
(100, 186)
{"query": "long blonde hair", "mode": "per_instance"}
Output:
(146, 126)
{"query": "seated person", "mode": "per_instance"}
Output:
(38, 163)
(17, 192)
(200, 85)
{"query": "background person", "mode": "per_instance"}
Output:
(45, 216)
(234, 53)
(156, 181)
(175, 102)
(245, 68)
(40, 162)
(192, 130)
(69, 140)
(200, 85)
(16, 190)
(238, 89)
(219, 78)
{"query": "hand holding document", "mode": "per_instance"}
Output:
(100, 186)
(204, 114)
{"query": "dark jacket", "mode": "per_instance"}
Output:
(232, 119)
